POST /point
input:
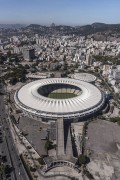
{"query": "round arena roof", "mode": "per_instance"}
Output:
(70, 98)
(84, 77)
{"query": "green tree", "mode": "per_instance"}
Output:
(48, 145)
(2, 171)
(13, 80)
(82, 159)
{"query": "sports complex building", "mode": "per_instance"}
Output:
(55, 98)
(84, 77)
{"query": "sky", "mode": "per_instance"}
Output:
(65, 12)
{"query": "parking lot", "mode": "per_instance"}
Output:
(35, 131)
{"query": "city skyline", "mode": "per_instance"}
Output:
(67, 12)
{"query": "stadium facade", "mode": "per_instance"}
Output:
(59, 98)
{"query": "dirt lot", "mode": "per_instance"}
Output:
(103, 136)
(103, 148)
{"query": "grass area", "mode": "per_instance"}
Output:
(61, 95)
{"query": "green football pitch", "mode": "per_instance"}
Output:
(61, 95)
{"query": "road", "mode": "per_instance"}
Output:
(9, 150)
(7, 146)
(111, 91)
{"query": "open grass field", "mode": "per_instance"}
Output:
(61, 95)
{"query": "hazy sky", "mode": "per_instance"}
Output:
(70, 12)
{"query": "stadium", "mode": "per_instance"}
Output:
(84, 77)
(59, 98)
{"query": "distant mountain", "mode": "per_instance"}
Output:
(80, 30)
(34, 26)
(100, 27)
(12, 26)
(98, 23)
(63, 29)
(52, 25)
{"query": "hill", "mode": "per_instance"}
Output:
(80, 30)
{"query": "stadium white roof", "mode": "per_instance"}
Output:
(90, 100)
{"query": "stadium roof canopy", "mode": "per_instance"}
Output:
(88, 99)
